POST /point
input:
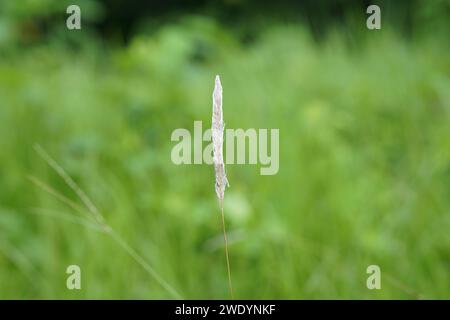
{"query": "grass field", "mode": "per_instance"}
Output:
(364, 166)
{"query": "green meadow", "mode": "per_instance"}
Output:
(364, 164)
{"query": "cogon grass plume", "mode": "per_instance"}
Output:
(219, 166)
(93, 218)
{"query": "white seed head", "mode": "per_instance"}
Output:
(217, 138)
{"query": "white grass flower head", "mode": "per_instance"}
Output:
(217, 138)
(219, 166)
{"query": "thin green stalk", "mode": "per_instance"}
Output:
(230, 286)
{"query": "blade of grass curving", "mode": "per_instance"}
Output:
(70, 182)
(67, 217)
(99, 219)
(132, 253)
(61, 197)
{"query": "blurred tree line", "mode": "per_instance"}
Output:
(31, 21)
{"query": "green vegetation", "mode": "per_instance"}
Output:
(364, 164)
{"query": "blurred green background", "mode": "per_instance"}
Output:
(364, 148)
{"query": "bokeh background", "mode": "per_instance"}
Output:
(364, 148)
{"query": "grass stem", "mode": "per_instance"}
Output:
(230, 286)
